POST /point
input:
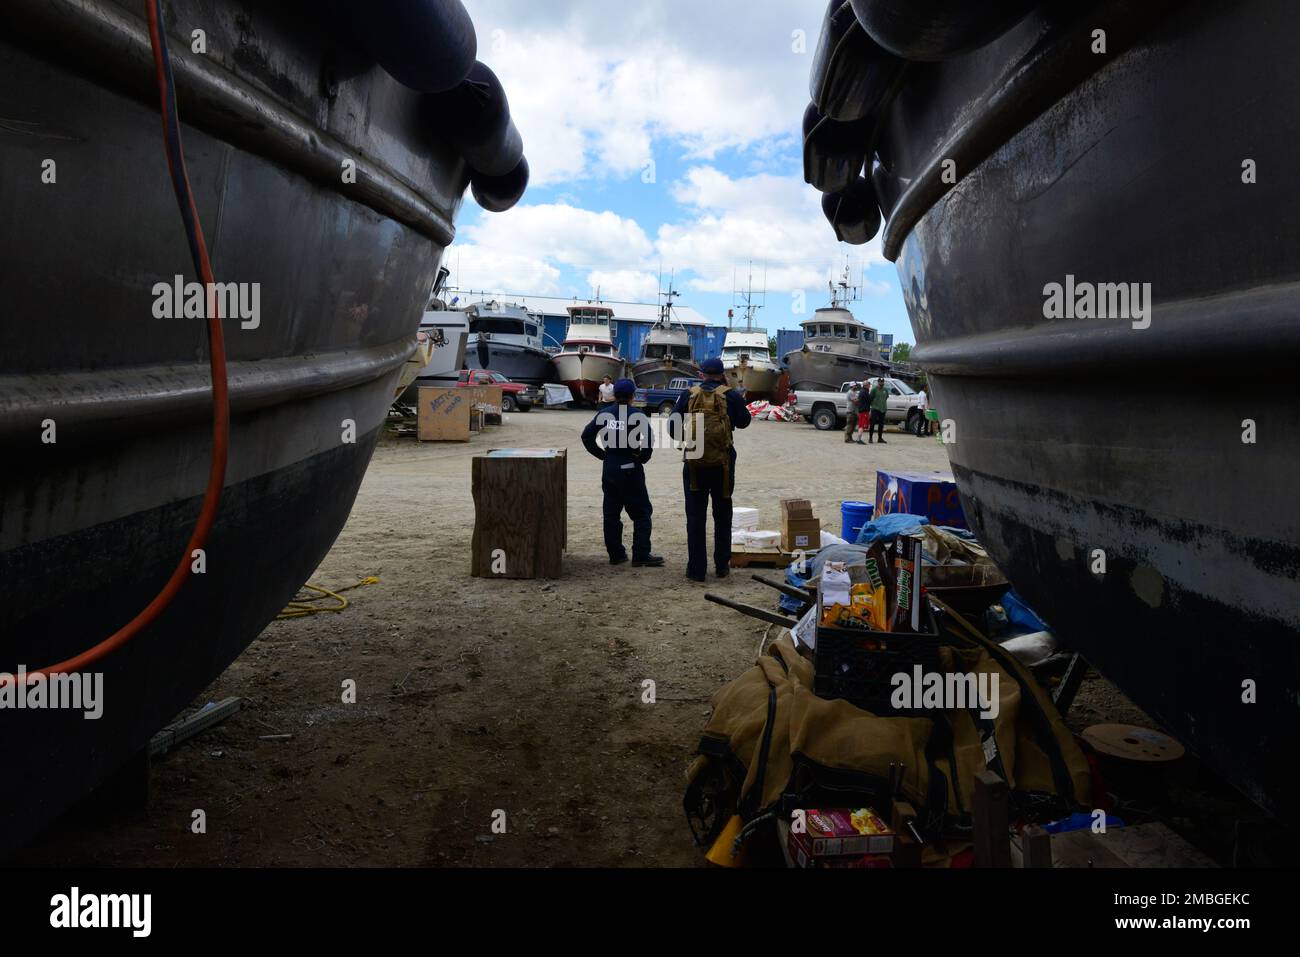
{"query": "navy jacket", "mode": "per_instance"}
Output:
(737, 410)
(627, 434)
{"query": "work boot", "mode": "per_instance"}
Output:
(722, 571)
(649, 561)
(617, 559)
(860, 442)
(848, 438)
(699, 580)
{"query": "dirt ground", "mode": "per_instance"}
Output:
(476, 697)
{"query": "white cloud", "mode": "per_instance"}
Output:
(519, 250)
(628, 285)
(592, 84)
(774, 221)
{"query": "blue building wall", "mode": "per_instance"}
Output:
(788, 340)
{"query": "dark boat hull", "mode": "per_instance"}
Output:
(1076, 437)
(516, 363)
(827, 371)
(657, 374)
(91, 526)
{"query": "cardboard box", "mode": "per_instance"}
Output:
(443, 415)
(844, 832)
(800, 529)
(932, 494)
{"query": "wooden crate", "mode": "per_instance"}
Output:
(486, 397)
(443, 415)
(520, 513)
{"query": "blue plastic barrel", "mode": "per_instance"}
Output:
(853, 515)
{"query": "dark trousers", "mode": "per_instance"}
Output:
(625, 491)
(877, 425)
(711, 483)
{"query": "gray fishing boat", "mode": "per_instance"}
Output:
(504, 337)
(666, 353)
(837, 347)
(1097, 234)
(327, 198)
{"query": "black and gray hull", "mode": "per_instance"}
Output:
(92, 524)
(1133, 475)
(517, 363)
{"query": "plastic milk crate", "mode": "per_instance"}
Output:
(859, 664)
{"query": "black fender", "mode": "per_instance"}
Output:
(852, 75)
(475, 115)
(496, 194)
(427, 45)
(937, 29)
(833, 152)
(853, 212)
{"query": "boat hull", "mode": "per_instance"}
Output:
(1133, 484)
(656, 374)
(584, 372)
(95, 521)
(827, 371)
(758, 382)
(517, 363)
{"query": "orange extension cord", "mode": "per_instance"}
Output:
(220, 392)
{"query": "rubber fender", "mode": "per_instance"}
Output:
(851, 74)
(937, 29)
(833, 152)
(496, 194)
(853, 212)
(428, 45)
(475, 115)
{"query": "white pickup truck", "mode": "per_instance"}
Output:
(828, 410)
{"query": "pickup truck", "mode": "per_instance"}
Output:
(514, 395)
(664, 400)
(828, 410)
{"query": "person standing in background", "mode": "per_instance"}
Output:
(879, 404)
(923, 403)
(852, 417)
(607, 391)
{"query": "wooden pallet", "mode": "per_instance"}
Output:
(744, 556)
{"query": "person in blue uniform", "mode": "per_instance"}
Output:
(624, 446)
(715, 482)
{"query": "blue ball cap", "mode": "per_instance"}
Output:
(712, 366)
(624, 387)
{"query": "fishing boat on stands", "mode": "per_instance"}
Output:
(837, 347)
(506, 338)
(588, 352)
(134, 551)
(1087, 243)
(747, 356)
(666, 353)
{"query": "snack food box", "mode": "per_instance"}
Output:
(842, 832)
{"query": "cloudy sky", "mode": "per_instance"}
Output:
(662, 133)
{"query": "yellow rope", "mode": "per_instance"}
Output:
(304, 605)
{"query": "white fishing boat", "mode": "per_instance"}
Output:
(747, 357)
(588, 353)
(504, 337)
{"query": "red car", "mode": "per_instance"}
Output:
(514, 395)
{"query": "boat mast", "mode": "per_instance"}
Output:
(745, 299)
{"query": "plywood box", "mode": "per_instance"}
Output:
(520, 513)
(443, 415)
(486, 397)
